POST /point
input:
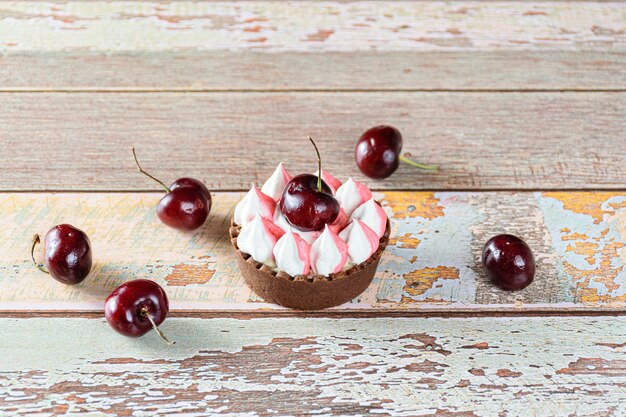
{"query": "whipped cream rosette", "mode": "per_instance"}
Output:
(373, 215)
(362, 241)
(329, 253)
(293, 254)
(258, 238)
(253, 203)
(351, 195)
(275, 184)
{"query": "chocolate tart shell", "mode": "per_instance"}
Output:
(307, 292)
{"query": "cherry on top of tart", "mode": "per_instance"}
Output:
(305, 206)
(307, 201)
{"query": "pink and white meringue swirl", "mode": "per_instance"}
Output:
(362, 241)
(253, 203)
(329, 253)
(281, 221)
(292, 254)
(331, 181)
(352, 194)
(258, 238)
(275, 184)
(372, 215)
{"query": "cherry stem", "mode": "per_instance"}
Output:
(167, 189)
(145, 313)
(319, 165)
(36, 240)
(418, 165)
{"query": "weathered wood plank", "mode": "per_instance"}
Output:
(431, 264)
(61, 141)
(387, 367)
(348, 45)
(118, 26)
(362, 71)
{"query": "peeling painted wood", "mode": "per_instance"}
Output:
(83, 45)
(117, 26)
(431, 264)
(399, 367)
(228, 140)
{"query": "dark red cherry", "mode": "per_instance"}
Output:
(305, 206)
(508, 262)
(378, 152)
(184, 208)
(136, 307)
(186, 204)
(192, 182)
(67, 254)
(307, 201)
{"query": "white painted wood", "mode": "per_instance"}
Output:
(393, 367)
(261, 45)
(118, 26)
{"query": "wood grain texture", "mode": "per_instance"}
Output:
(432, 263)
(286, 367)
(347, 45)
(117, 26)
(289, 71)
(62, 141)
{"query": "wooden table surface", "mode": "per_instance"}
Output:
(521, 103)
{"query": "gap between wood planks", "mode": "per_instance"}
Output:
(343, 314)
(307, 90)
(352, 1)
(618, 189)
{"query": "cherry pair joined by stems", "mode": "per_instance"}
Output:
(186, 204)
(308, 202)
(378, 152)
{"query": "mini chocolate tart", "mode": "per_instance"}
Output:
(307, 292)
